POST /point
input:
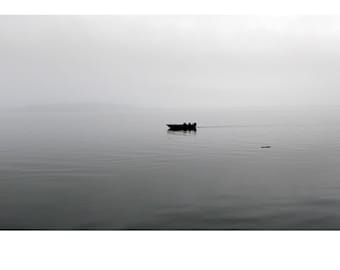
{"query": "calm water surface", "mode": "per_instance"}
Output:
(124, 170)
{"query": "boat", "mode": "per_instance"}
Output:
(183, 127)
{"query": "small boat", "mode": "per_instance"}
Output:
(184, 127)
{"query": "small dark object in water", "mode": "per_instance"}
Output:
(266, 146)
(183, 126)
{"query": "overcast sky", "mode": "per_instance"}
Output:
(196, 61)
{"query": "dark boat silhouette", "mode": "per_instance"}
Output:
(185, 127)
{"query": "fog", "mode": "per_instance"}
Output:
(170, 61)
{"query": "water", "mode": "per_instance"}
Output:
(124, 170)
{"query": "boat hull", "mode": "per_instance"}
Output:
(181, 127)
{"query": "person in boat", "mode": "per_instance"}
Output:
(192, 126)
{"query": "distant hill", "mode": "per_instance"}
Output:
(74, 107)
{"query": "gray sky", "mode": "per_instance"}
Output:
(195, 61)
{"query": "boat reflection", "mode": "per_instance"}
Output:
(181, 132)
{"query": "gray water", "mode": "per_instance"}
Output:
(124, 170)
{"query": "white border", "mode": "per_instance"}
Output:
(272, 7)
(169, 250)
